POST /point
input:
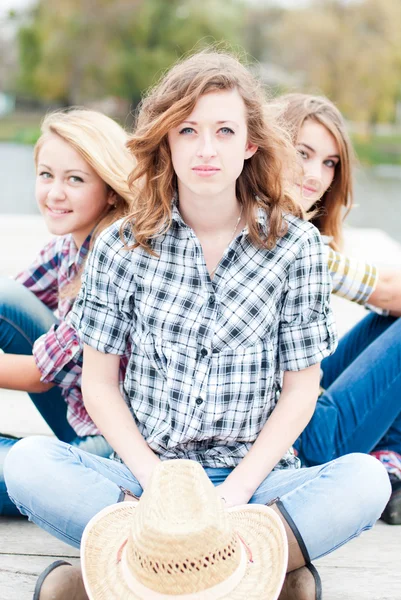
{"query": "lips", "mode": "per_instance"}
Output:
(205, 170)
(307, 191)
(58, 212)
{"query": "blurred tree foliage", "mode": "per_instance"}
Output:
(350, 51)
(74, 50)
(71, 51)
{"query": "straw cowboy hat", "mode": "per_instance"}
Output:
(180, 542)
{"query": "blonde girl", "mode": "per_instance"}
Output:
(82, 166)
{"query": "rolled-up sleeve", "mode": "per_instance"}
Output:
(307, 331)
(352, 279)
(58, 356)
(103, 311)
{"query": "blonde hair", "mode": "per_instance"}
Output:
(261, 183)
(338, 199)
(102, 144)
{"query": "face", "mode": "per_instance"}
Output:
(209, 148)
(70, 194)
(320, 155)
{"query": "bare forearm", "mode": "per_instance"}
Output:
(289, 418)
(109, 411)
(19, 372)
(387, 294)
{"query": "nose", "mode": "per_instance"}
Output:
(206, 148)
(313, 168)
(56, 192)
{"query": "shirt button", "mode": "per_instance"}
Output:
(203, 352)
(166, 439)
(199, 401)
(215, 351)
(212, 300)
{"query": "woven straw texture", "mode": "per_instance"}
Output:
(179, 539)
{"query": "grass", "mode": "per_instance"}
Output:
(378, 150)
(24, 128)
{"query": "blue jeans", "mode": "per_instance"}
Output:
(23, 319)
(96, 444)
(61, 488)
(360, 410)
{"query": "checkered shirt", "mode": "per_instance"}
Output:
(207, 355)
(352, 279)
(58, 353)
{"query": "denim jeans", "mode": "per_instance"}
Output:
(95, 444)
(360, 410)
(61, 488)
(24, 318)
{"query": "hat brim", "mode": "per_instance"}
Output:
(258, 526)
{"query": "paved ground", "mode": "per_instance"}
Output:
(362, 570)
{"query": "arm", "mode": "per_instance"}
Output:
(387, 293)
(292, 413)
(41, 277)
(306, 335)
(108, 410)
(362, 283)
(19, 372)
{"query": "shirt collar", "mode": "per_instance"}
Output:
(76, 257)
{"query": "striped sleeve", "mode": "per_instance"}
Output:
(352, 279)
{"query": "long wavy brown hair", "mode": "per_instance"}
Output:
(262, 182)
(331, 210)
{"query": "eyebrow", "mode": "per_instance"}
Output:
(68, 171)
(313, 150)
(217, 122)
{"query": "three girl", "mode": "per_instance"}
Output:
(220, 294)
(359, 410)
(82, 167)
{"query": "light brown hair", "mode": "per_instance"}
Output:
(262, 181)
(336, 203)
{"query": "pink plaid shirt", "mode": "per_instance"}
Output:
(58, 353)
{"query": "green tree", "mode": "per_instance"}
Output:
(350, 51)
(74, 50)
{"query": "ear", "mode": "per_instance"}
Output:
(111, 197)
(250, 150)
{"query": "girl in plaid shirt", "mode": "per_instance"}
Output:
(82, 165)
(359, 409)
(221, 292)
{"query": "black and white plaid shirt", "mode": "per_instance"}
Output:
(207, 355)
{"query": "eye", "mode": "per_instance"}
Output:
(226, 131)
(44, 174)
(186, 130)
(76, 179)
(331, 163)
(302, 153)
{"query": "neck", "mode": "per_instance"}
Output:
(209, 215)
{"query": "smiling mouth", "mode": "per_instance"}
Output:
(58, 211)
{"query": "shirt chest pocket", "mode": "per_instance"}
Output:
(168, 309)
(250, 313)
